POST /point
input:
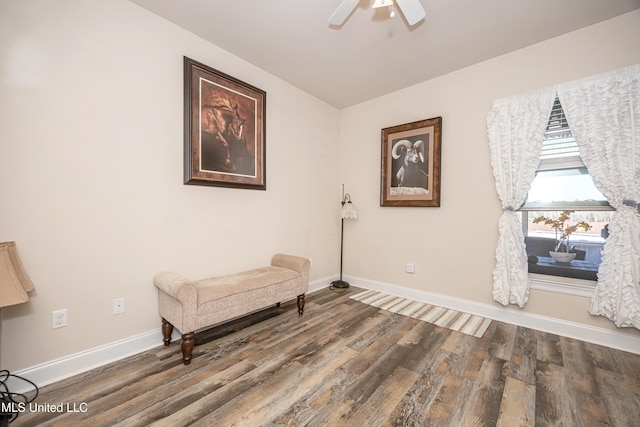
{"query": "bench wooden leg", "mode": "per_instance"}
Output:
(167, 329)
(300, 304)
(187, 347)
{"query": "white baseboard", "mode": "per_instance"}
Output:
(78, 363)
(615, 339)
(68, 366)
(323, 283)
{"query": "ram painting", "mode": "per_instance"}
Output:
(411, 164)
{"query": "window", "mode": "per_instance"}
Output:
(563, 183)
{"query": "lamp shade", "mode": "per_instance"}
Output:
(14, 281)
(349, 211)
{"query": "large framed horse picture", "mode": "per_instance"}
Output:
(224, 129)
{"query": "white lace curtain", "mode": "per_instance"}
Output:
(516, 128)
(604, 114)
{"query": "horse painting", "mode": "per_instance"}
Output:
(224, 149)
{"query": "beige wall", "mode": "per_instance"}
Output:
(91, 172)
(91, 142)
(453, 246)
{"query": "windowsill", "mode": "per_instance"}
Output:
(562, 285)
(578, 269)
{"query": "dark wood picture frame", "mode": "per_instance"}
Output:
(410, 172)
(224, 129)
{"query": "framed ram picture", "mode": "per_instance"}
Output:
(410, 172)
(224, 129)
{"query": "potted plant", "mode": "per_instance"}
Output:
(563, 231)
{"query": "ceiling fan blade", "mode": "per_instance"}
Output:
(343, 11)
(412, 10)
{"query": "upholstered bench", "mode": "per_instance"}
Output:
(191, 305)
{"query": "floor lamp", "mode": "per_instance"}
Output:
(348, 211)
(14, 285)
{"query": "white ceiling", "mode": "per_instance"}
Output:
(371, 54)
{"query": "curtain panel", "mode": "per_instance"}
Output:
(516, 127)
(603, 112)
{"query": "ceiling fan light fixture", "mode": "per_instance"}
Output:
(382, 3)
(411, 9)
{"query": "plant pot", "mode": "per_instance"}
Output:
(562, 257)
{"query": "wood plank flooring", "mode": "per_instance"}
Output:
(345, 363)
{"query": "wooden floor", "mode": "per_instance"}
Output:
(345, 363)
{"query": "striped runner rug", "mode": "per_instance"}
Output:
(462, 322)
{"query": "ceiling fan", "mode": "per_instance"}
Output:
(411, 9)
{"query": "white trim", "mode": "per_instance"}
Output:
(614, 339)
(575, 287)
(74, 364)
(319, 284)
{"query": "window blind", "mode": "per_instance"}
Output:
(559, 148)
(560, 181)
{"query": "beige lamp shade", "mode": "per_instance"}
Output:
(14, 281)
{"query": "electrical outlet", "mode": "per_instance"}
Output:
(410, 268)
(118, 306)
(59, 319)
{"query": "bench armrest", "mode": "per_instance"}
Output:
(292, 262)
(175, 286)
